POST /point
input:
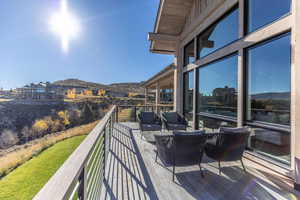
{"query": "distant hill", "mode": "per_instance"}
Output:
(128, 87)
(117, 87)
(272, 95)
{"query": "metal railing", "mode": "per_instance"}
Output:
(81, 176)
(128, 113)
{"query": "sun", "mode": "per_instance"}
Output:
(65, 25)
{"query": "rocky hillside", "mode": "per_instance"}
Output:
(118, 87)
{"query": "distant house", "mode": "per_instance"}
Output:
(41, 91)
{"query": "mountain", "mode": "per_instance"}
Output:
(272, 95)
(117, 87)
(79, 83)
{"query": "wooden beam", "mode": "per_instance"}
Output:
(162, 37)
(295, 92)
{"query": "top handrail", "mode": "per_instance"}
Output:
(61, 183)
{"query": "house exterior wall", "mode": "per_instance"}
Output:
(203, 14)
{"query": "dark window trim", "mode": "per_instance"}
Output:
(246, 20)
(246, 83)
(259, 155)
(235, 7)
(184, 92)
(269, 40)
(184, 55)
(219, 60)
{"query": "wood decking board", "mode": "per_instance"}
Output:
(132, 174)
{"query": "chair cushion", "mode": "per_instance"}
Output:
(151, 127)
(171, 117)
(147, 117)
(176, 126)
(234, 130)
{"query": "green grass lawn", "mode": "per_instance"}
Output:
(25, 181)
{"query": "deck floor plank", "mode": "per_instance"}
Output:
(132, 174)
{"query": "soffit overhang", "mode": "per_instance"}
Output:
(170, 21)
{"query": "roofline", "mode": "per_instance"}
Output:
(166, 69)
(158, 15)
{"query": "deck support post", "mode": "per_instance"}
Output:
(146, 96)
(295, 93)
(157, 97)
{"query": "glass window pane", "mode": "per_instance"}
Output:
(188, 94)
(263, 12)
(189, 53)
(269, 76)
(273, 144)
(211, 125)
(218, 87)
(219, 35)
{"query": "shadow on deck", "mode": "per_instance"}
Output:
(131, 173)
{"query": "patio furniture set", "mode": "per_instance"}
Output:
(183, 148)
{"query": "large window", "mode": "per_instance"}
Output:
(269, 81)
(262, 12)
(188, 94)
(189, 53)
(218, 87)
(269, 92)
(219, 34)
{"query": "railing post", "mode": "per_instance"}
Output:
(117, 114)
(85, 183)
(134, 112)
(104, 148)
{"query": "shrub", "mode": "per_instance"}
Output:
(40, 127)
(63, 115)
(8, 138)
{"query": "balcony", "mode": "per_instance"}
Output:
(114, 162)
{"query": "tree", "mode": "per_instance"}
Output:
(63, 115)
(40, 127)
(87, 114)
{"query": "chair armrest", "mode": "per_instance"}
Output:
(164, 121)
(183, 119)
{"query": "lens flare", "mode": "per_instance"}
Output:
(65, 25)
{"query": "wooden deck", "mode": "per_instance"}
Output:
(132, 174)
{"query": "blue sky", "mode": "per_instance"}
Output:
(111, 47)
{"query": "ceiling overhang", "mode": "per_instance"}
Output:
(170, 20)
(164, 78)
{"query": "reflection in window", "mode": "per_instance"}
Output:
(273, 144)
(218, 87)
(261, 12)
(219, 34)
(211, 125)
(189, 53)
(188, 94)
(269, 87)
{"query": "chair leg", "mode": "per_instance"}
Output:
(200, 160)
(219, 168)
(174, 163)
(243, 165)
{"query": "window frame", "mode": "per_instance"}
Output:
(247, 18)
(185, 58)
(226, 14)
(261, 124)
(211, 115)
